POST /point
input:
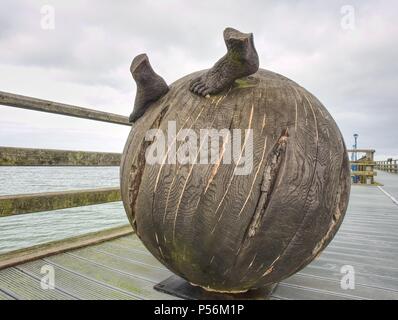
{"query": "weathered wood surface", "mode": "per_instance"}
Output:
(362, 150)
(46, 201)
(43, 250)
(363, 173)
(363, 163)
(124, 269)
(390, 183)
(10, 156)
(24, 102)
(222, 230)
(389, 165)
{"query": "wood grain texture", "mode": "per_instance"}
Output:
(16, 257)
(232, 232)
(46, 201)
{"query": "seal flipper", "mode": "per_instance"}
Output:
(241, 60)
(150, 86)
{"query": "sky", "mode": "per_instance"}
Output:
(79, 52)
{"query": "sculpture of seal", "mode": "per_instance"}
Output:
(240, 60)
(210, 225)
(150, 86)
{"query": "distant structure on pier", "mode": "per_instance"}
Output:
(362, 168)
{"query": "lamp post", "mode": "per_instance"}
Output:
(356, 135)
(354, 157)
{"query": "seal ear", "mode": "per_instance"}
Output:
(150, 86)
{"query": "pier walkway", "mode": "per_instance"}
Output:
(122, 268)
(389, 182)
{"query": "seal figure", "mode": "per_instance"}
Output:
(150, 86)
(241, 60)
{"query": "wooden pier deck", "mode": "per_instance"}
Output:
(123, 269)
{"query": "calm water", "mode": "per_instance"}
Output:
(30, 229)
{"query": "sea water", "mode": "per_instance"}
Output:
(26, 230)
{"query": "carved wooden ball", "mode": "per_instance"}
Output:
(229, 232)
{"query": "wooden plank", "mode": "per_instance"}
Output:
(130, 254)
(333, 286)
(126, 282)
(43, 250)
(363, 163)
(392, 256)
(363, 173)
(24, 102)
(122, 264)
(50, 157)
(5, 296)
(369, 280)
(371, 270)
(22, 286)
(46, 201)
(285, 291)
(66, 281)
(361, 150)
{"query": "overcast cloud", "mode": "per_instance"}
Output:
(85, 60)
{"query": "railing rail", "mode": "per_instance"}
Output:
(10, 156)
(47, 201)
(390, 165)
(16, 257)
(24, 102)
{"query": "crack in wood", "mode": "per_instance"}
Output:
(270, 176)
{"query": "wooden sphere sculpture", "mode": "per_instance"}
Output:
(209, 223)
